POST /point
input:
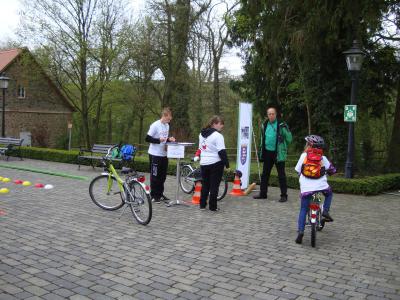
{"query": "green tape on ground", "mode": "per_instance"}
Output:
(43, 172)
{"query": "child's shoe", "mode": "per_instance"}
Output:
(327, 217)
(299, 238)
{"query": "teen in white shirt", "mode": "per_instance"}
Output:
(213, 158)
(157, 136)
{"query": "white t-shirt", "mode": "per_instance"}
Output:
(308, 184)
(158, 130)
(210, 147)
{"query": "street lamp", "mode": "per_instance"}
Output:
(3, 85)
(354, 59)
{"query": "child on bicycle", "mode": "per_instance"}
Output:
(312, 168)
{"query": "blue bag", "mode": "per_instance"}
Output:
(127, 152)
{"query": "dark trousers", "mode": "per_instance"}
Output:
(269, 161)
(212, 175)
(158, 174)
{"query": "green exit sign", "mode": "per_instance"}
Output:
(350, 113)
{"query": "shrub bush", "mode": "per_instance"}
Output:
(371, 185)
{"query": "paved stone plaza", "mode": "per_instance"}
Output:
(56, 244)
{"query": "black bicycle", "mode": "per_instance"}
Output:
(189, 174)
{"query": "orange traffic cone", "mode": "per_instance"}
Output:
(197, 193)
(236, 191)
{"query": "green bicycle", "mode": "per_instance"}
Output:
(110, 192)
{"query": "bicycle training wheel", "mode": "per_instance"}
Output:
(105, 192)
(321, 225)
(186, 179)
(140, 204)
(223, 188)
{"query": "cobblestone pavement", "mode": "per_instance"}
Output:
(56, 244)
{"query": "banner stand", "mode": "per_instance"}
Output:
(245, 131)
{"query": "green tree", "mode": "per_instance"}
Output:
(79, 41)
(293, 51)
(174, 20)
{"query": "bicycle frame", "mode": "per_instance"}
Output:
(113, 172)
(110, 171)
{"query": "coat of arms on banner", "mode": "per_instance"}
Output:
(243, 154)
(245, 131)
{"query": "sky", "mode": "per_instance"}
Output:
(10, 18)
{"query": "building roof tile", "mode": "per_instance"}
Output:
(7, 56)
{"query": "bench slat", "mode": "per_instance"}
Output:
(96, 148)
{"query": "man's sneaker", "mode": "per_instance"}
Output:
(259, 196)
(164, 198)
(215, 210)
(283, 198)
(156, 200)
(299, 238)
(327, 217)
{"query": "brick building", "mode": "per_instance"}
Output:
(35, 109)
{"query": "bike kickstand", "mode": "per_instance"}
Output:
(125, 206)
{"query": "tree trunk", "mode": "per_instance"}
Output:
(109, 125)
(393, 158)
(308, 118)
(216, 87)
(140, 137)
(95, 134)
(129, 125)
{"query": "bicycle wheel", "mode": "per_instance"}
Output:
(105, 192)
(223, 188)
(186, 179)
(140, 204)
(313, 234)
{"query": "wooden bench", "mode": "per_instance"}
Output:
(10, 146)
(91, 154)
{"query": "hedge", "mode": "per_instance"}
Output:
(371, 185)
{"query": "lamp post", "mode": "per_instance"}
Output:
(354, 59)
(3, 85)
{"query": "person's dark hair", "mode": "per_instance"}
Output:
(214, 120)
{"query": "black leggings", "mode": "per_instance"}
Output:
(212, 175)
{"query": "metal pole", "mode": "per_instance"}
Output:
(69, 139)
(349, 169)
(3, 119)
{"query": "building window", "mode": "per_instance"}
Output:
(21, 91)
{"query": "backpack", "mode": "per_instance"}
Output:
(313, 164)
(127, 151)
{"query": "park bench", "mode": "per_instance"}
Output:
(95, 154)
(9, 145)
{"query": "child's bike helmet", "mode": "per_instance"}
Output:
(315, 141)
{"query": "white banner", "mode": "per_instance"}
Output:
(245, 131)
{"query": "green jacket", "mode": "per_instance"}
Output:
(283, 139)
